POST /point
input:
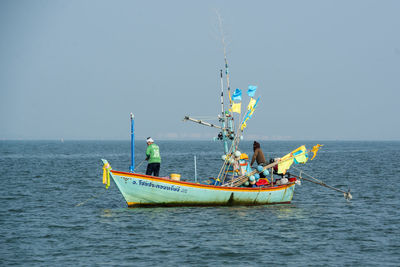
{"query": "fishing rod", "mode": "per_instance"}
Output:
(347, 195)
(187, 118)
(225, 59)
(139, 164)
(240, 180)
(222, 95)
(223, 116)
(227, 120)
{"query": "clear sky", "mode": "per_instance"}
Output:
(76, 69)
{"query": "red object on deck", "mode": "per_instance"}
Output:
(262, 182)
(292, 179)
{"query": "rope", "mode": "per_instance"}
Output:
(95, 196)
(139, 164)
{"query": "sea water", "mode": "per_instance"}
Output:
(55, 210)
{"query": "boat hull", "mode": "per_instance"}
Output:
(143, 190)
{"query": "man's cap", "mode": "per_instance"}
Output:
(149, 140)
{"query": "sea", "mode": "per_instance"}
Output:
(55, 211)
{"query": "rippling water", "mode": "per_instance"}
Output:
(42, 182)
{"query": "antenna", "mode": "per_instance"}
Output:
(226, 60)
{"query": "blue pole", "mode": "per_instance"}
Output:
(132, 168)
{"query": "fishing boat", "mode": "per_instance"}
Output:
(143, 190)
(236, 183)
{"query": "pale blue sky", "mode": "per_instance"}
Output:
(76, 69)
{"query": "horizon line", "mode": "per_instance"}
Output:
(202, 140)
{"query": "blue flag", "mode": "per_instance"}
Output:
(252, 90)
(237, 95)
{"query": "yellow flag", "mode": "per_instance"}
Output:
(106, 175)
(251, 104)
(315, 150)
(243, 126)
(237, 107)
(251, 112)
(300, 155)
(285, 163)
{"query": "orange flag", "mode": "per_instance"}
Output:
(315, 150)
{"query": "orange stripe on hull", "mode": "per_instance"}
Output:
(202, 186)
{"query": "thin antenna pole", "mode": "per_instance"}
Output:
(225, 59)
(195, 169)
(132, 168)
(222, 95)
(227, 121)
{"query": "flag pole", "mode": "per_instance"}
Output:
(132, 167)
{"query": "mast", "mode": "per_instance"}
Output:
(223, 117)
(228, 120)
(225, 59)
(222, 95)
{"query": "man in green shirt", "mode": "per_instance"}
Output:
(154, 158)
